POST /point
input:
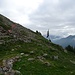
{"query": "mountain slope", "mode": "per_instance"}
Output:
(31, 52)
(70, 40)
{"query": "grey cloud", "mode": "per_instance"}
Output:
(58, 17)
(14, 10)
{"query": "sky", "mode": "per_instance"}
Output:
(56, 15)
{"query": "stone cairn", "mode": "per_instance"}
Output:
(6, 69)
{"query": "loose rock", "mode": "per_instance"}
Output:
(31, 59)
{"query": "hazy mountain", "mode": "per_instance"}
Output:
(70, 40)
(52, 37)
(25, 52)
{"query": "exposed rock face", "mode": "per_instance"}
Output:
(6, 69)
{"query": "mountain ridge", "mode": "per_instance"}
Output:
(70, 40)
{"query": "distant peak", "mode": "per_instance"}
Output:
(71, 36)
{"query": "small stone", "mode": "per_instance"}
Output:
(17, 57)
(64, 66)
(19, 68)
(45, 55)
(31, 52)
(17, 72)
(30, 59)
(55, 57)
(26, 55)
(47, 63)
(71, 72)
(14, 36)
(12, 50)
(65, 50)
(41, 60)
(22, 54)
(40, 57)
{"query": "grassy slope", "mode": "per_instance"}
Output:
(40, 46)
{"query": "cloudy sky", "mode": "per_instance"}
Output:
(56, 15)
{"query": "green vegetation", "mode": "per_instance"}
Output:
(4, 26)
(70, 48)
(61, 66)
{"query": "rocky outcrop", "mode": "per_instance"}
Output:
(13, 31)
(7, 68)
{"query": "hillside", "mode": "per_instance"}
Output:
(64, 42)
(24, 52)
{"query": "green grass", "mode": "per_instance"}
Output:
(38, 68)
(62, 66)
